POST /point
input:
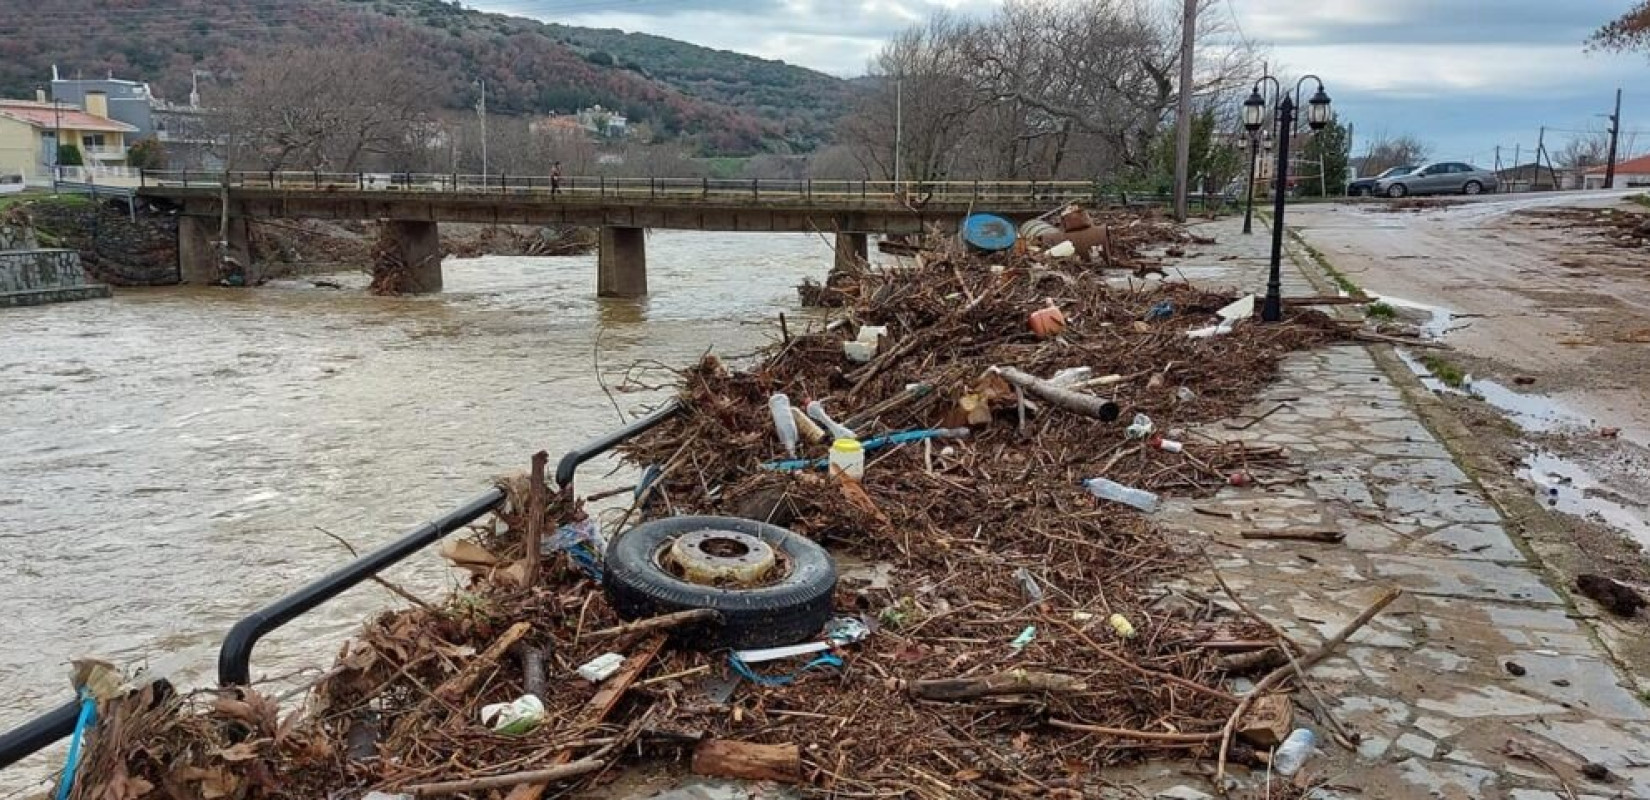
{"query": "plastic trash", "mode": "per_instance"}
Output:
(1185, 394)
(1213, 330)
(1047, 322)
(1121, 624)
(1167, 445)
(859, 351)
(583, 543)
(871, 333)
(601, 667)
(775, 653)
(1242, 308)
(810, 430)
(1025, 638)
(841, 631)
(848, 455)
(1071, 376)
(1162, 310)
(516, 717)
(1118, 493)
(779, 407)
(1292, 754)
(1029, 585)
(816, 411)
(1140, 428)
(1063, 250)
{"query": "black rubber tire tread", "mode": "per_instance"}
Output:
(781, 613)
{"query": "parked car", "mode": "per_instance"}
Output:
(1364, 187)
(1439, 177)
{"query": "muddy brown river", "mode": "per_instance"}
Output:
(168, 456)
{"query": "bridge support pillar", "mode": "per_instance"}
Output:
(412, 249)
(852, 249)
(621, 266)
(201, 262)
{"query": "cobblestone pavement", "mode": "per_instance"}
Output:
(1480, 659)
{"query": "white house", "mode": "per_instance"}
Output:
(1630, 174)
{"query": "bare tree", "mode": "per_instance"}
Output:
(1386, 151)
(1630, 31)
(1585, 150)
(333, 109)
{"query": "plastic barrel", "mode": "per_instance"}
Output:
(988, 233)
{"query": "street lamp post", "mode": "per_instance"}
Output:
(1254, 115)
(1249, 188)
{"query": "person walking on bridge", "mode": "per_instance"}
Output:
(555, 178)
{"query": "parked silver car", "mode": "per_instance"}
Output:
(1439, 177)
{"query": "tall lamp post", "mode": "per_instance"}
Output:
(1254, 116)
(1249, 188)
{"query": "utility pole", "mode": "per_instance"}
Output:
(1541, 150)
(1183, 113)
(1615, 135)
(1518, 150)
(481, 108)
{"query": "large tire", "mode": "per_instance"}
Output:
(784, 612)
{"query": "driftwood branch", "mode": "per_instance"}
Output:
(547, 775)
(1324, 536)
(660, 623)
(455, 688)
(1015, 682)
(1086, 404)
(748, 761)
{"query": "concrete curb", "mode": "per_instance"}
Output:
(1535, 529)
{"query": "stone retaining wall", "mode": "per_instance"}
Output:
(32, 277)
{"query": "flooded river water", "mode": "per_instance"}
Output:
(166, 457)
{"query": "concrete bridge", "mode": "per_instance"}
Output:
(412, 205)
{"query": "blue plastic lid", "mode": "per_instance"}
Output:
(988, 232)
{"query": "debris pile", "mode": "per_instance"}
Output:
(999, 630)
(1623, 228)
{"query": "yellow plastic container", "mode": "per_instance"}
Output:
(848, 455)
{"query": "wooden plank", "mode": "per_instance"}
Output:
(748, 761)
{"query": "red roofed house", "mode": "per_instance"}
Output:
(1630, 174)
(30, 131)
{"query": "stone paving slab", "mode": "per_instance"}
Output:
(1427, 683)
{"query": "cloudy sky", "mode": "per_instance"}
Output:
(1463, 75)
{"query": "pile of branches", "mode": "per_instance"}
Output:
(996, 665)
(514, 240)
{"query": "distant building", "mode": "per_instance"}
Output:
(1538, 177)
(604, 123)
(30, 131)
(560, 126)
(130, 102)
(1630, 174)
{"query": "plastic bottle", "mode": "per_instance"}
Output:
(816, 410)
(779, 407)
(1118, 493)
(848, 456)
(1292, 754)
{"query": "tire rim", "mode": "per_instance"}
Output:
(1473, 188)
(713, 557)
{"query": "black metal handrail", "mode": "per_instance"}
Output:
(235, 657)
(570, 462)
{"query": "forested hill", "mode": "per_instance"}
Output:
(722, 102)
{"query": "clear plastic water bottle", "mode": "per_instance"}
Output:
(1118, 493)
(1292, 754)
(779, 406)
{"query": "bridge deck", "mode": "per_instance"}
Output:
(694, 204)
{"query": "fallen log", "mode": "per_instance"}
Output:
(1015, 682)
(1370, 336)
(564, 771)
(748, 761)
(660, 623)
(1086, 404)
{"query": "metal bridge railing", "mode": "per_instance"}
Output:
(584, 187)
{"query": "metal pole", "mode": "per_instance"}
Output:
(1183, 111)
(1615, 135)
(1273, 311)
(899, 130)
(1249, 188)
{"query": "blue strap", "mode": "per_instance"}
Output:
(744, 670)
(88, 714)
